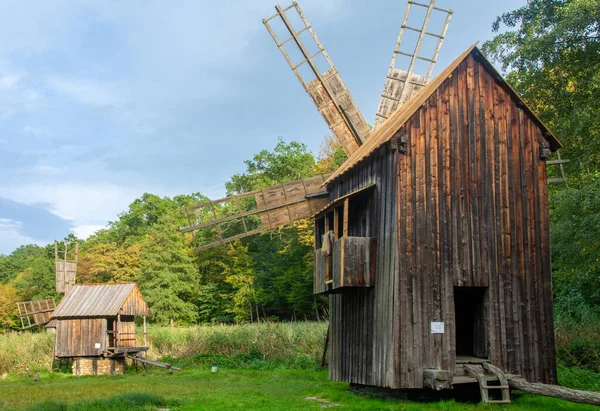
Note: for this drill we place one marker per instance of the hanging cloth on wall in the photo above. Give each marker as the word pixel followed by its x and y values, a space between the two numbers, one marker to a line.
pixel 327 243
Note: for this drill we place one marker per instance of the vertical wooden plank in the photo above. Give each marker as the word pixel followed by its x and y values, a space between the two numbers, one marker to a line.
pixel 525 154
pixel 435 271
pixel 511 270
pixel 455 176
pixel 502 219
pixel 533 155
pixel 474 174
pixel 489 216
pixel 463 169
pixel 446 231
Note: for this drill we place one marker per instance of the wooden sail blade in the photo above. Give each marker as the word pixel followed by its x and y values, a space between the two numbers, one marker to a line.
pixel 327 91
pixel 401 85
pixel 34 313
pixel 231 218
pixel 66 268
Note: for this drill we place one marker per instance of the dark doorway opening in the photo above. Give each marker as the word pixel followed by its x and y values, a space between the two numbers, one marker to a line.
pixel 470 321
pixel 110 330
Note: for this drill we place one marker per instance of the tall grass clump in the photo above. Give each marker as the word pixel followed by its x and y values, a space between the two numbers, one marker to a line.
pixel 288 344
pixel 577 325
pixel 25 352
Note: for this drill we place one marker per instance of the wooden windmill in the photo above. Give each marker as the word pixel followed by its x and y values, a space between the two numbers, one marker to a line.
pixel 231 218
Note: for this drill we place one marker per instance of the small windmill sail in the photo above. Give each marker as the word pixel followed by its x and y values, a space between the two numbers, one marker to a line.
pixel 328 91
pixel 34 313
pixel 66 269
pixel 401 85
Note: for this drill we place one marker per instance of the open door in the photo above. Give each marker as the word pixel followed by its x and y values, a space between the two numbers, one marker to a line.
pixel 471 321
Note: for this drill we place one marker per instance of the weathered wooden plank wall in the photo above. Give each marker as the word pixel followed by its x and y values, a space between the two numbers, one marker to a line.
pixel 78 337
pixel 135 304
pixel 362 349
pixel 472 209
pixel 467 206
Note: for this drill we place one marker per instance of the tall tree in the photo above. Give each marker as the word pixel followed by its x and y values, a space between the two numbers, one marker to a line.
pixel 287 162
pixel 551 50
pixel 169 278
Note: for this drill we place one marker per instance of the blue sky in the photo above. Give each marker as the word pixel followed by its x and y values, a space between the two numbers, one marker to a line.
pixel 103 101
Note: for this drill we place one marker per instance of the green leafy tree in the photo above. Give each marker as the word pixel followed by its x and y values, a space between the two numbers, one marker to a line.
pixel 551 50
pixel 168 277
pixel 287 162
pixel 282 258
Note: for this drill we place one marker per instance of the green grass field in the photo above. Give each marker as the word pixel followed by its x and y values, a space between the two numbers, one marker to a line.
pixel 267 366
pixel 228 389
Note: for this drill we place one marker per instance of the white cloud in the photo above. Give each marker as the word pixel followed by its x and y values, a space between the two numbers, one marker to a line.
pixel 84 231
pixel 80 203
pixel 84 91
pixel 11 238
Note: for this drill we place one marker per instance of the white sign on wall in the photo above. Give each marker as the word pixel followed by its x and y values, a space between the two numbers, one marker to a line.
pixel 437 327
pixel 97 345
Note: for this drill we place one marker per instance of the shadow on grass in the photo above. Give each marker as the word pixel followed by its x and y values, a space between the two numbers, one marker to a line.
pixel 127 401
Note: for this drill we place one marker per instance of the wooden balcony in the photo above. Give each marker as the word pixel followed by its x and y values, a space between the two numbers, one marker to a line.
pixel 351 264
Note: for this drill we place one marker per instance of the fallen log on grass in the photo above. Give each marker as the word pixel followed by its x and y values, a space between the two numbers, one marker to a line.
pixel 582 397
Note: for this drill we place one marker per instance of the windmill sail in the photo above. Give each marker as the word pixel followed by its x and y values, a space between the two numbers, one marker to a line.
pixel 34 313
pixel 238 216
pixel 327 91
pixel 401 85
pixel 66 269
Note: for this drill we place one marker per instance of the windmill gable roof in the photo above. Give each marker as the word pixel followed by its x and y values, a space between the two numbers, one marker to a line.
pixel 387 130
pixel 101 300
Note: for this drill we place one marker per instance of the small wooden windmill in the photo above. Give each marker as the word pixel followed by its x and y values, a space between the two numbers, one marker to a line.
pixel 231 218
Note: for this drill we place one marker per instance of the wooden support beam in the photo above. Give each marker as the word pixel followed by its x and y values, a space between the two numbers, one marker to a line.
pixel 346 211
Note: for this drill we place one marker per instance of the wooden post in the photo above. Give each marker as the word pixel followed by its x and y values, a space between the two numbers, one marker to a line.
pixel 325 347
pixel 328 258
pixel 336 224
pixel 145 343
pixel 346 211
pixel 118 330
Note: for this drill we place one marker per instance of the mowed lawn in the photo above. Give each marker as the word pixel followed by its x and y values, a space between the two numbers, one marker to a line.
pixel 225 390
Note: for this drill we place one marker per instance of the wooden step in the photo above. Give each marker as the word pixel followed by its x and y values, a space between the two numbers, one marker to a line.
pixel 479 372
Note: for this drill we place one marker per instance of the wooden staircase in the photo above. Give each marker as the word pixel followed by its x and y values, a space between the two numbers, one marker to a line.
pixel 482 373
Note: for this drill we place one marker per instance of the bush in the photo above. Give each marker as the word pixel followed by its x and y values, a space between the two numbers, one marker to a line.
pixel 577 331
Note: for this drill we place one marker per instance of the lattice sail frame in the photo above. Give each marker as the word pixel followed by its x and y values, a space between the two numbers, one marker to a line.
pixel 328 91
pixel 401 85
pixel 231 218
pixel 34 313
pixel 66 269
